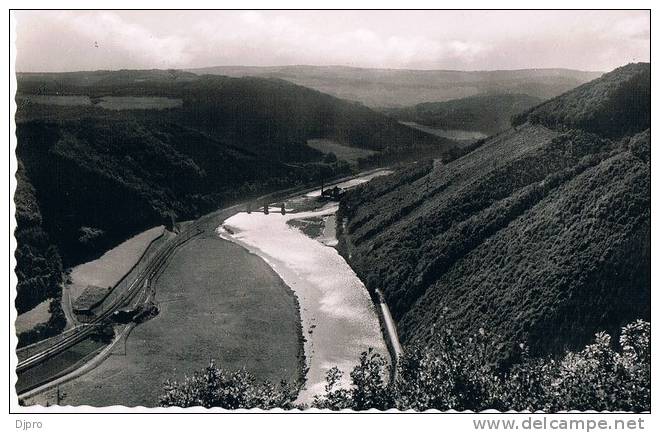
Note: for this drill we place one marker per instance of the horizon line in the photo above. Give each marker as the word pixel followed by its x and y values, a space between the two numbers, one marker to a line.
pixel 197 68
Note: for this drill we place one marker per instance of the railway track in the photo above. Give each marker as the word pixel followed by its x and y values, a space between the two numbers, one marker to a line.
pixel 141 284
pixel 142 281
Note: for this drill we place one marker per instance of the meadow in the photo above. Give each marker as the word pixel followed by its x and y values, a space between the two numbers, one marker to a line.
pixel 210 308
pixel 138 102
pixel 111 267
pixel 33 317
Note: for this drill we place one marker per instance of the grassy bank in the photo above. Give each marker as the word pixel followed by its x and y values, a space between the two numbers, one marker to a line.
pixel 110 268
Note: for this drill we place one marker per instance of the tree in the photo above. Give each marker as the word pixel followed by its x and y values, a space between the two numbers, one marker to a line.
pixel 458 375
pixel 369 389
pixel 455 375
pixel 215 387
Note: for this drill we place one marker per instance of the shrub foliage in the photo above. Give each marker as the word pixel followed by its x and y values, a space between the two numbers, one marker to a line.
pixel 455 374
pixel 215 387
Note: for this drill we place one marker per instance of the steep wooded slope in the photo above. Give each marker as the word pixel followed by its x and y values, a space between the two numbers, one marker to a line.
pixel 541 235
pixel 38 264
pixel 617 104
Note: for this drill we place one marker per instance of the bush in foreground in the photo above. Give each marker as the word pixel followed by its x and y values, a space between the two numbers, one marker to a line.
pixel 215 387
pixel 456 375
pixel 459 375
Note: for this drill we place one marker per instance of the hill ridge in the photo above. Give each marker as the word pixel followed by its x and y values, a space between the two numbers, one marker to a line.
pixel 541 235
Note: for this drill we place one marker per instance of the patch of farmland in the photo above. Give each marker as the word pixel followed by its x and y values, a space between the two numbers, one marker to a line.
pixel 61 100
pixel 138 103
pixel 108 269
pixel 91 297
pixel 34 317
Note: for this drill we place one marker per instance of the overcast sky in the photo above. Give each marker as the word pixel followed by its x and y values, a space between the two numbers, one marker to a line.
pixel 464 40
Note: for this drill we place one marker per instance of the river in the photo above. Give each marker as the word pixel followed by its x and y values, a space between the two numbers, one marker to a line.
pixel 339 319
pixel 461 136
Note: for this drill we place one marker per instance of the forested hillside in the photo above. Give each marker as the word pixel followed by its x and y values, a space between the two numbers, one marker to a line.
pixel 38 264
pixel 617 104
pixel 92 176
pixel 489 114
pixel 100 180
pixel 268 115
pixel 541 234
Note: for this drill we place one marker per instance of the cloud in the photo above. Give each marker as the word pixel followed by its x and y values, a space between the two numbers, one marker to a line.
pixel 633 28
pixel 596 40
pixel 108 28
pixel 100 40
pixel 282 40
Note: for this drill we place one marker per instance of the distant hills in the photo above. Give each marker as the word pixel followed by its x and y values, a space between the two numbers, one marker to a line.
pixel 540 235
pixel 386 88
pixel 488 114
pixel 52 82
pixel 250 111
pixel 91 177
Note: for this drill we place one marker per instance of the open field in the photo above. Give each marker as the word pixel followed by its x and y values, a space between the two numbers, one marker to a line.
pixel 34 317
pixel 108 269
pixel 60 100
pixel 77 355
pixel 250 319
pixel 349 154
pixel 138 103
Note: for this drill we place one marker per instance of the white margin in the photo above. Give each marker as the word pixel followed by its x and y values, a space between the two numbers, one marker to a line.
pixel 237 422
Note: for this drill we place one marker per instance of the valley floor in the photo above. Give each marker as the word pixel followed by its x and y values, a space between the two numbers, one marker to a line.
pixel 210 308
pixel 219 301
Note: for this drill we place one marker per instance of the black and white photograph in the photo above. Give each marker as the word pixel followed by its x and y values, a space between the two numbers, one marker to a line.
pixel 331 211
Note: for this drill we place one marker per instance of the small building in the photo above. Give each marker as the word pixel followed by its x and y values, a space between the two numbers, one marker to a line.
pixel 335 193
pixel 136 314
pixel 123 315
pixel 89 299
